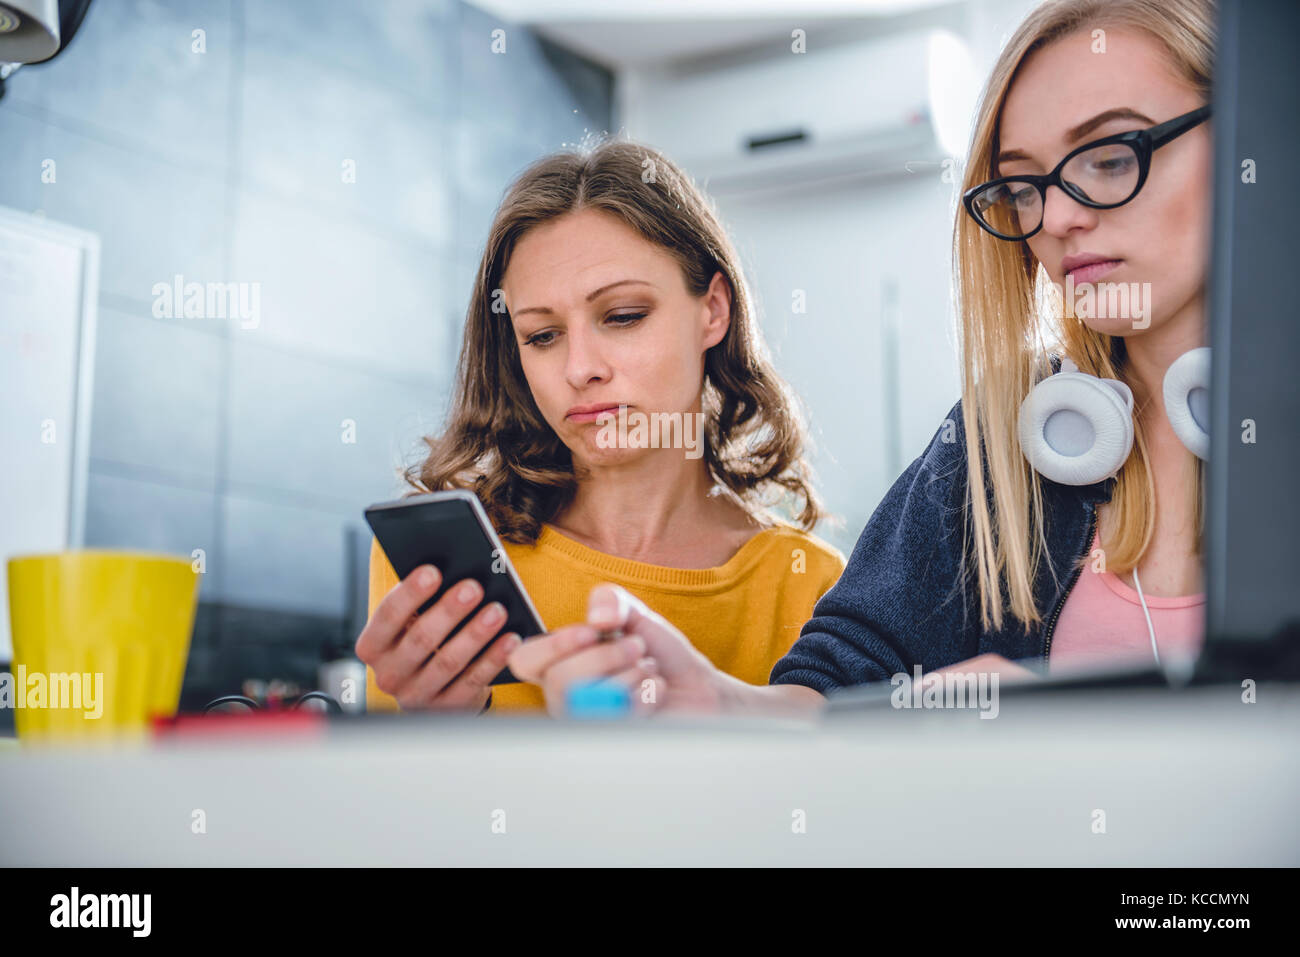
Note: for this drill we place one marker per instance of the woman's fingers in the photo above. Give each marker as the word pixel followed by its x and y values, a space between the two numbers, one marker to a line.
pixel 531 660
pixel 610 607
pixel 432 628
pixel 989 662
pixel 644 685
pixel 453 656
pixel 471 688
pixel 600 661
pixel 395 610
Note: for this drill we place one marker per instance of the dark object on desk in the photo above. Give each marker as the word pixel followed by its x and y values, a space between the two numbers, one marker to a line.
pixel 242 704
pixel 885 694
pixel 1253 513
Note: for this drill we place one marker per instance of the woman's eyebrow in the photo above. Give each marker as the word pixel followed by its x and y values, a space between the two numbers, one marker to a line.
pixel 546 310
pixel 1077 133
pixel 622 282
pixel 1087 126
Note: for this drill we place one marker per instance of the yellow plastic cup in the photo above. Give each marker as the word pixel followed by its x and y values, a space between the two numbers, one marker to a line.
pixel 100 641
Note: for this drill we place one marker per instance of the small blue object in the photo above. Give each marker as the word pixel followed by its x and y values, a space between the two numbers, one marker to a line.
pixel 598 699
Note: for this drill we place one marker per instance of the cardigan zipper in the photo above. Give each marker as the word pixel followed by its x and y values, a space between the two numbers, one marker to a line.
pixel 1056 612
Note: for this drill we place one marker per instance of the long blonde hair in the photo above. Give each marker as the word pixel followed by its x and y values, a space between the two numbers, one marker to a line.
pixel 999 286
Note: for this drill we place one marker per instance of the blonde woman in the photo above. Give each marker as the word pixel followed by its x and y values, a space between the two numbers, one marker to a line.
pixel 616 413
pixel 1090 165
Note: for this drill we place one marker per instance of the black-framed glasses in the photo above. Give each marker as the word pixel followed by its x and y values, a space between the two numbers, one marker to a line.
pixel 1102 174
pixel 242 704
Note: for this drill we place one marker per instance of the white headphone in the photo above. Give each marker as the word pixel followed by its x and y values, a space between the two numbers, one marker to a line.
pixel 1077 429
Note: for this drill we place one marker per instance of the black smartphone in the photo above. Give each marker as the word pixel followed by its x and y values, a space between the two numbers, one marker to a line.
pixel 450 531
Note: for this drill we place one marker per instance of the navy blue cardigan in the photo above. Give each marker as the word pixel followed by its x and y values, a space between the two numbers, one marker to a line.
pixel 901 600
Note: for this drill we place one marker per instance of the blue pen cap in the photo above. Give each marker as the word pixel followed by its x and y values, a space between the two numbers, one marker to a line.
pixel 597 699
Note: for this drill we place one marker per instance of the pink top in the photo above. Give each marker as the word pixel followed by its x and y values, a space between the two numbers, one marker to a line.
pixel 1102 624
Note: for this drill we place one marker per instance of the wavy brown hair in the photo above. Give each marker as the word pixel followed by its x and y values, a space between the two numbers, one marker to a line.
pixel 496 442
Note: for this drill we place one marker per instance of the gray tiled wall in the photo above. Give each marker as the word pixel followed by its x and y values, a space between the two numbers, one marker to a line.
pixel 225 166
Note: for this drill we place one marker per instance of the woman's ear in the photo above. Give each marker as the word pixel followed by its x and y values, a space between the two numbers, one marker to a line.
pixel 717 310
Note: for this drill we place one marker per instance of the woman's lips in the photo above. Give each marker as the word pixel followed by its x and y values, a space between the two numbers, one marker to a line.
pixel 1093 271
pixel 593 415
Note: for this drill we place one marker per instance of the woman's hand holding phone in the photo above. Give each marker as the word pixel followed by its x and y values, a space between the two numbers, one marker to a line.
pixel 411 657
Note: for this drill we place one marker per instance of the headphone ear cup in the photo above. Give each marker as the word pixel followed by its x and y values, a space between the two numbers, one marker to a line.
pixel 1187 400
pixel 1076 429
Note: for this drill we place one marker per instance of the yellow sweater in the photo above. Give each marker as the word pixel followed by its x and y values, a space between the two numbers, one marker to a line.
pixel 742 615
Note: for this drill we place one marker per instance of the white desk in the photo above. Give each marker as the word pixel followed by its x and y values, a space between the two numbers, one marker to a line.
pixel 1191 777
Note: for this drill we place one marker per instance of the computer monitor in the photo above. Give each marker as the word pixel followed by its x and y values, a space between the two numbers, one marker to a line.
pixel 1252 562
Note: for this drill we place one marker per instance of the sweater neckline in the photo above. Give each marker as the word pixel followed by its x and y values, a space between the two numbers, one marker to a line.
pixel 643 572
pixel 1122 589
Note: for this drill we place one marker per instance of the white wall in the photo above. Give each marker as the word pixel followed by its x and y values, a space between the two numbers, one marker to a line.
pixel 876 380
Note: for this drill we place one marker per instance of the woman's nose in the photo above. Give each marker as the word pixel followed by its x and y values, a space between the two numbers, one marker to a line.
pixel 585 362
pixel 1062 213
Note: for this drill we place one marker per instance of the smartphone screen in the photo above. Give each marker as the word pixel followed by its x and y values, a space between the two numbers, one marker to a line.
pixel 450 531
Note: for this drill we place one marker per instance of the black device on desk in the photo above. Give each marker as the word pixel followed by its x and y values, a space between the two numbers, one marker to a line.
pixel 1252 532
pixel 450 531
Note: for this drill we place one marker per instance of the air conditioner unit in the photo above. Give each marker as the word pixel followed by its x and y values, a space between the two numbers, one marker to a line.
pixel 891 106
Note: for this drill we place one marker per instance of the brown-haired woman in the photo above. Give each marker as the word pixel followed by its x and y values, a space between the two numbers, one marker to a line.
pixel 617 414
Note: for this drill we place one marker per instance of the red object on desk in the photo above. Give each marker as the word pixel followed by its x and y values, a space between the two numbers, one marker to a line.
pixel 255 724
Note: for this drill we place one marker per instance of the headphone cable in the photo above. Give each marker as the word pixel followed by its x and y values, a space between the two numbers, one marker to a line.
pixel 1151 629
